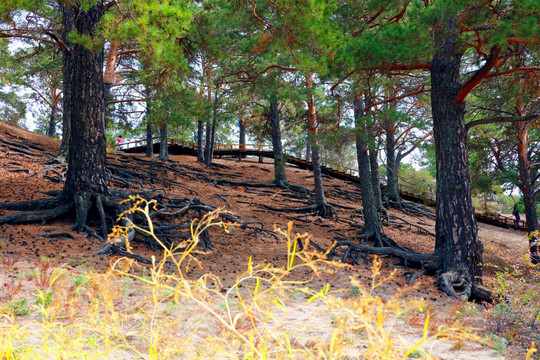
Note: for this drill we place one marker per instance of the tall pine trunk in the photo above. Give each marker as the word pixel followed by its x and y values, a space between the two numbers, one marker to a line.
pixel 526 186
pixel 163 145
pixel 84 111
pixel 371 216
pixel 149 138
pixel 280 177
pixel 308 148
pixel 373 164
pixel 241 138
pixel 375 181
pixel 313 126
pixel 211 129
pixel 52 120
pixel 456 230
pixel 213 133
pixel 200 137
pixel 392 166
pixel 208 144
pixel 149 132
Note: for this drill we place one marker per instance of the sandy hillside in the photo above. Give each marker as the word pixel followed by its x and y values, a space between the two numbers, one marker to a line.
pixel 25 175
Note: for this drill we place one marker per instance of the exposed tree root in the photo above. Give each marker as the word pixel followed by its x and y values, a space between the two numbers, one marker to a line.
pixel 62 234
pixel 420 228
pixel 379 239
pixel 324 210
pixel 411 276
pixel 455 285
pixel 36 216
pixel 111 250
pixel 397 204
pixel 481 293
pixel 293 188
pixel 29 205
pixel 23 148
pixel 458 285
pixel 237 183
pixel 349 250
pixel 411 208
pixel 172 218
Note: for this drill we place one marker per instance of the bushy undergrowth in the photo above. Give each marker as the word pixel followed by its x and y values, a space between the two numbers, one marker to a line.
pixel 516 317
pixel 159 313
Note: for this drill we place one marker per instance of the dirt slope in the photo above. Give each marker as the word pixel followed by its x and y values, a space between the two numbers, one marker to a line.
pixel 21 179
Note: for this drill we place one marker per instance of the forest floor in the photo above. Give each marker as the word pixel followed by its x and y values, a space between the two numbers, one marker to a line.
pixel 23 246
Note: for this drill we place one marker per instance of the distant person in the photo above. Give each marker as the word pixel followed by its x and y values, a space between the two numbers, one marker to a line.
pixel 515 212
pixel 119 141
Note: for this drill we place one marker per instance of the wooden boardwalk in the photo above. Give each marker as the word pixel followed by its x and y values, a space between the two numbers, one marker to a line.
pixel 182 147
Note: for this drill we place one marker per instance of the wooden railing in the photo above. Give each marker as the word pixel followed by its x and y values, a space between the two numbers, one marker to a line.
pixel 418 191
pixel 133 144
pixel 423 194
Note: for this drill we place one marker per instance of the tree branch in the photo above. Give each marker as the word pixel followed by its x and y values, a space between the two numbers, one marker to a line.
pixel 415 146
pixel 421 90
pixel 516 40
pixel 528 68
pixel 500 119
pixel 478 76
pixel 251 77
pixel 125 101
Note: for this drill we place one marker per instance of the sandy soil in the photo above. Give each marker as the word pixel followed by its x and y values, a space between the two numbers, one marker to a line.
pixel 21 179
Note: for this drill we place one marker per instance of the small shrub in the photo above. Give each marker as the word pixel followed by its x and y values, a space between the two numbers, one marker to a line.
pixel 416 354
pixel 496 342
pixel 355 291
pixel 19 308
pixel 517 315
pixel 44 299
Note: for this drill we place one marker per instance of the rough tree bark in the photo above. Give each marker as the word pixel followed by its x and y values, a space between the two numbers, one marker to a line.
pixel 52 120
pixel 526 187
pixel 66 118
pixel 525 176
pixel 208 144
pixel 214 127
pixel 374 166
pixel 320 205
pixel 211 129
pixel 149 136
pixel 84 111
pixel 371 217
pixel 200 137
pixel 163 145
pixel 375 181
pixel 280 177
pixel 456 230
pixel 392 166
pixel 149 132
pixel 210 139
pixel 242 137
